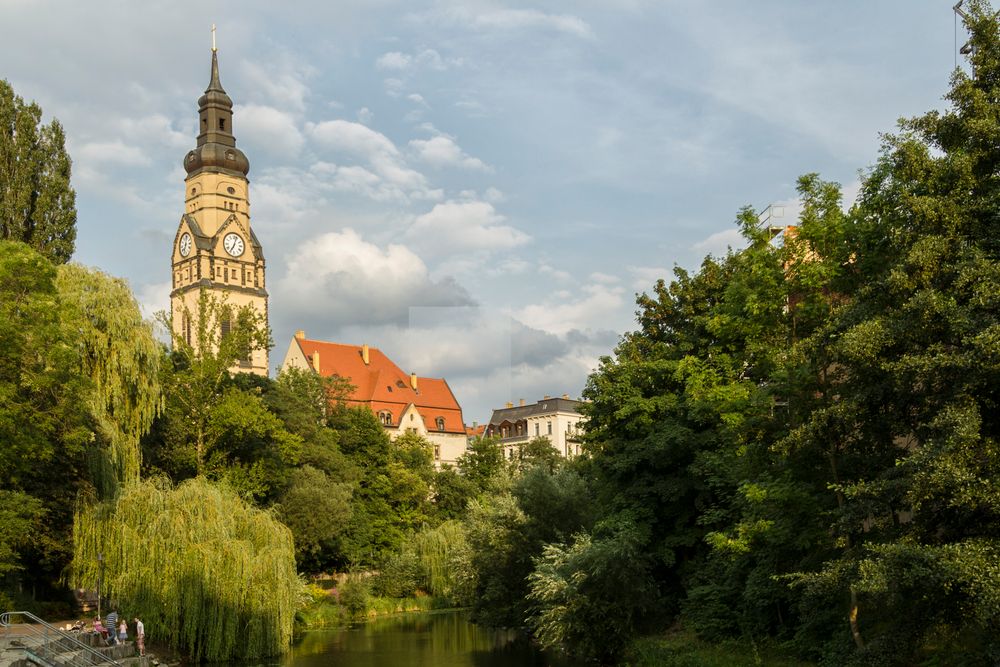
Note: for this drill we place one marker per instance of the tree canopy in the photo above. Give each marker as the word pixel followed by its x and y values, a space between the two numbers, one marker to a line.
pixel 37 203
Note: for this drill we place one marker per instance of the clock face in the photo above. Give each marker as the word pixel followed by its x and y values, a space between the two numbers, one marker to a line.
pixel 185 244
pixel 233 244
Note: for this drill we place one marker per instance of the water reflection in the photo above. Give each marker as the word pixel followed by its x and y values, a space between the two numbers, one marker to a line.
pixel 440 639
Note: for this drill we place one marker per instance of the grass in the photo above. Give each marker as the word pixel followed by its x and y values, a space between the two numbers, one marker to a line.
pixel 682 648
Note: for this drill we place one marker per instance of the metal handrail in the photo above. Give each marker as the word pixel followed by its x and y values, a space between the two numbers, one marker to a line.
pixel 5 622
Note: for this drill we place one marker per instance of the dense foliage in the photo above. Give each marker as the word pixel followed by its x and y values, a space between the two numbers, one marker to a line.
pixel 800 440
pixel 213 575
pixel 37 203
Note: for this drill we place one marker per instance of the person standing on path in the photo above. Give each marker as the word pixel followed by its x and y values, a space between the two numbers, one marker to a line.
pixel 123 632
pixel 111 623
pixel 140 636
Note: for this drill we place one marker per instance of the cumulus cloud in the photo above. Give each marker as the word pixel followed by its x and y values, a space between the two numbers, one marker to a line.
pixel 524 19
pixel 156 128
pixel 338 278
pixel 442 151
pixel 385 173
pixel 394 60
pixel 116 152
pixel 265 128
pixel 644 277
pixel 719 243
pixel 590 310
pixel 426 58
pixel 463 226
pixel 280 83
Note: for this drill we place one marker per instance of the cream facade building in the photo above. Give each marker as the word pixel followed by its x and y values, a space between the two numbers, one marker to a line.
pixel 558 419
pixel 215 249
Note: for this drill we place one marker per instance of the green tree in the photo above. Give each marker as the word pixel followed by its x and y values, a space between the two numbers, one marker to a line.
pixel 76 390
pixel 317 510
pixel 196 380
pixel 37 204
pixel 911 410
pixel 210 574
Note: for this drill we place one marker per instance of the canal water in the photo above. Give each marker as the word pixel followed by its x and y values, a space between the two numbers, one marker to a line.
pixel 435 639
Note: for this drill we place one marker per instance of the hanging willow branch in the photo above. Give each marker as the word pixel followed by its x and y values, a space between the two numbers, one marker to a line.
pixel 208 573
pixel 119 355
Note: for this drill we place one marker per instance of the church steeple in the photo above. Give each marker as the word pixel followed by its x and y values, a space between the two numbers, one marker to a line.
pixel 215 249
pixel 216 147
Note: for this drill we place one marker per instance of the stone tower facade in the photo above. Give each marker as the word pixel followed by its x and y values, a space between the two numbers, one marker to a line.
pixel 215 249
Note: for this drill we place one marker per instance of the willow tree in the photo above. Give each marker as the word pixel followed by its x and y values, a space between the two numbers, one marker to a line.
pixel 209 574
pixel 117 353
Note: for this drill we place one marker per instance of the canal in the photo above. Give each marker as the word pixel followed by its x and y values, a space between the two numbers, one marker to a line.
pixel 436 639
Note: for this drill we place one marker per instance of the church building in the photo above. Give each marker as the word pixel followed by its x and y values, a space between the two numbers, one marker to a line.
pixel 403 402
pixel 215 249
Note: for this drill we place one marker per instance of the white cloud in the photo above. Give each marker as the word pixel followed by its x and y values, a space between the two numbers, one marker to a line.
pixel 493 195
pixel 442 151
pixel 365 115
pixel 337 279
pixel 269 129
pixel 463 226
pixel 590 311
pixel 153 297
pixel 719 243
pixel 427 58
pixel 515 20
pixel 604 278
pixel 158 128
pixel 557 274
pixel 381 158
pixel 417 98
pixel 279 83
pixel 644 277
pixel 110 153
pixel 394 60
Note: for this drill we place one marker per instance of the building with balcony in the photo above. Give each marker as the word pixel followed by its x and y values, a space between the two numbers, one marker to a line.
pixel 557 419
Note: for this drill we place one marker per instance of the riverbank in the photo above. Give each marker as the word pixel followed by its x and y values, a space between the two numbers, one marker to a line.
pixel 329 612
pixel 682 648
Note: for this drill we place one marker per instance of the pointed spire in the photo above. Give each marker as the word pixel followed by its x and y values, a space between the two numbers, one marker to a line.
pixel 215 85
pixel 216 144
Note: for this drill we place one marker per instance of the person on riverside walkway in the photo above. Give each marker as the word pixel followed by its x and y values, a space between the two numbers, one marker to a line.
pixel 100 630
pixel 140 636
pixel 122 632
pixel 111 622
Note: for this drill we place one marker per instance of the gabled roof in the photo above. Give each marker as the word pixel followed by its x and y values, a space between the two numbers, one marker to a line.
pixel 383 385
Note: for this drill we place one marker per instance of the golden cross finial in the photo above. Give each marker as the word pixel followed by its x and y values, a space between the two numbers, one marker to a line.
pixel 213 39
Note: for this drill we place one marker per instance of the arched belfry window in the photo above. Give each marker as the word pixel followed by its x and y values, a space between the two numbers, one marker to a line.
pixel 440 423
pixel 385 417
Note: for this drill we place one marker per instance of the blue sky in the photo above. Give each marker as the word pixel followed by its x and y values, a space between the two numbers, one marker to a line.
pixel 477 188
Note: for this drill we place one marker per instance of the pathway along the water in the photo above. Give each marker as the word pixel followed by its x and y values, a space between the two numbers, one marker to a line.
pixel 437 639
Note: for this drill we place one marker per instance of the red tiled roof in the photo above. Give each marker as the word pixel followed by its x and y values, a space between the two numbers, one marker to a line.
pixel 476 432
pixel 382 385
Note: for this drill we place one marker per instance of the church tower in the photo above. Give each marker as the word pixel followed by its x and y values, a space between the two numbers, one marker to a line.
pixel 215 249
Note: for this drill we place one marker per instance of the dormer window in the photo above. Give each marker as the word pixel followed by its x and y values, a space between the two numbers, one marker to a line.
pixel 440 423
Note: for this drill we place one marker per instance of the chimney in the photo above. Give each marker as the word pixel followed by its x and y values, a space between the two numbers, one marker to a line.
pixel 413 381
pixel 300 334
pixel 315 360
pixel 546 397
pixel 520 402
pixel 475 425
pixel 364 354
pixel 566 396
pixel 509 404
